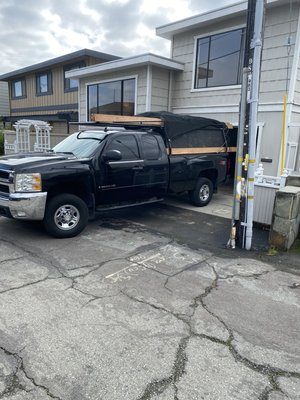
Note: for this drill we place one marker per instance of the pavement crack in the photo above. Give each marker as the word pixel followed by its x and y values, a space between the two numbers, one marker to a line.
pixel 28 284
pixel 158 387
pixel 273 387
pixel 178 370
pixel 45 259
pixel 237 275
pixel 272 372
pixel 11 259
pixel 14 383
pixel 187 268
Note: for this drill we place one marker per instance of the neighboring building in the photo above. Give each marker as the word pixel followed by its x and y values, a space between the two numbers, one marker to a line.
pixel 4 102
pixel 43 92
pixel 203 76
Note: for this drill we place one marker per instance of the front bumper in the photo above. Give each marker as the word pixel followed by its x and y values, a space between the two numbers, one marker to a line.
pixel 29 206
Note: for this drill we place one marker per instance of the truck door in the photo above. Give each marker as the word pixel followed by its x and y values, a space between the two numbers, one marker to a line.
pixel 156 165
pixel 123 179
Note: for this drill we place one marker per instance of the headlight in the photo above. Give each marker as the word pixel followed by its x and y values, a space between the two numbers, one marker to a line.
pixel 28 183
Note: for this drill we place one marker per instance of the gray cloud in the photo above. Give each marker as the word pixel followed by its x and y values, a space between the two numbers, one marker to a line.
pixel 33 31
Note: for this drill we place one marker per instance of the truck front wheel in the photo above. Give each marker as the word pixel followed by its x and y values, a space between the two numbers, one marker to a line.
pixel 66 216
pixel 202 193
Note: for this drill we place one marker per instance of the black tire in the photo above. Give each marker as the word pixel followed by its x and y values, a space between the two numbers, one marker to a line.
pixel 202 193
pixel 66 216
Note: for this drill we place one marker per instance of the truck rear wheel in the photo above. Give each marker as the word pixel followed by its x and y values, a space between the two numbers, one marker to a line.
pixel 202 193
pixel 66 216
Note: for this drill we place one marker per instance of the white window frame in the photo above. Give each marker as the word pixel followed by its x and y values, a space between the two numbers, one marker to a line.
pixel 208 34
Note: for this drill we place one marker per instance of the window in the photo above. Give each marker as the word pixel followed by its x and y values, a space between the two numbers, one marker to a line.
pixel 219 59
pixel 117 97
pixel 44 83
pixel 127 145
pixel 150 147
pixel 69 83
pixel 18 88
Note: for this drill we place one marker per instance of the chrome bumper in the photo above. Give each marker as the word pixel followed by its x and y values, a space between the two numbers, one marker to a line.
pixel 29 206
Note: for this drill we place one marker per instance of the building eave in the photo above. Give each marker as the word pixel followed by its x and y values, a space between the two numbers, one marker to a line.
pixel 125 63
pixel 58 60
pixel 208 18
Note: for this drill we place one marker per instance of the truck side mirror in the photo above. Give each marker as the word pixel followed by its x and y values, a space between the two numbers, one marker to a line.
pixel 112 155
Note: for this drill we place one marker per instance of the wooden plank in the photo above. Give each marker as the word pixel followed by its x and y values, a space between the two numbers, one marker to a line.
pixel 201 150
pixel 126 119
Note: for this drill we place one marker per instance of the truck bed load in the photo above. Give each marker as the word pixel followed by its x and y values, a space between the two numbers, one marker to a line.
pixel 183 134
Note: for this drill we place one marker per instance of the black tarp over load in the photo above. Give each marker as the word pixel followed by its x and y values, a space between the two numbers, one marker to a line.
pixel 185 131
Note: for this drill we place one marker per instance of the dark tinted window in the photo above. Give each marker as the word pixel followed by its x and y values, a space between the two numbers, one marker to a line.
pixel 150 147
pixel 219 59
pixel 117 97
pixel 127 145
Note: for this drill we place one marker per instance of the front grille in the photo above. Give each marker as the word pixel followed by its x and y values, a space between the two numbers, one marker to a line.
pixel 4 174
pixel 4 188
pixel 4 181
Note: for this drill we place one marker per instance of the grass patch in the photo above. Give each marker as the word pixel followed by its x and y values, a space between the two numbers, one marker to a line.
pixel 272 251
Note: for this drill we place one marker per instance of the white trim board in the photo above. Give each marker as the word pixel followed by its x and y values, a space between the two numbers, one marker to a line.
pixel 226 108
pixel 125 63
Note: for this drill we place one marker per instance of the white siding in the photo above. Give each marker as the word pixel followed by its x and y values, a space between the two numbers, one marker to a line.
pixel 277 56
pixel 273 69
pixel 4 99
pixel 141 83
pixel 160 89
pixel 223 103
pixel 183 50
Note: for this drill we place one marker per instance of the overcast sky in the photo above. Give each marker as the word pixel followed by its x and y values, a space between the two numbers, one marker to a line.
pixel 37 30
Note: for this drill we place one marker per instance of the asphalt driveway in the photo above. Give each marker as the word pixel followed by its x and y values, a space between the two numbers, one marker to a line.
pixel 135 309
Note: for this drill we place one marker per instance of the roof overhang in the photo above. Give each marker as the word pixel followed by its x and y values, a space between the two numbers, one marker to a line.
pixel 58 60
pixel 126 63
pixel 209 18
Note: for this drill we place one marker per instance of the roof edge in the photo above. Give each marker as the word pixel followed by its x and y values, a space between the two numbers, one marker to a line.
pixel 123 63
pixel 239 8
pixel 58 60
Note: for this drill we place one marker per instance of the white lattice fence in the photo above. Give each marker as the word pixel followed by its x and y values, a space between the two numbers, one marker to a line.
pixel 22 142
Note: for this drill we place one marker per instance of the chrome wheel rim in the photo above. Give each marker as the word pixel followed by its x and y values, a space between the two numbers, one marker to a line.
pixel 204 193
pixel 66 217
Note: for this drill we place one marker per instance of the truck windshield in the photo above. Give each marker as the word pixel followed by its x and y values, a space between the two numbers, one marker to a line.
pixel 82 144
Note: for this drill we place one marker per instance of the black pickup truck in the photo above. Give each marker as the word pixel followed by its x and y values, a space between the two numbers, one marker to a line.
pixel 99 169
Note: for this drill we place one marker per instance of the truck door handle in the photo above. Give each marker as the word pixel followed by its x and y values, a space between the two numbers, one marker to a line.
pixel 138 168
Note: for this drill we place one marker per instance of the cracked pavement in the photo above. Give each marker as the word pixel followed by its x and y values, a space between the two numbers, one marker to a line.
pixel 125 312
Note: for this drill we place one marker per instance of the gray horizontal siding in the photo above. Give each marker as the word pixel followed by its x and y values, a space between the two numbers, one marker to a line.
pixel 160 89
pixel 140 73
pixel 273 69
pixel 4 102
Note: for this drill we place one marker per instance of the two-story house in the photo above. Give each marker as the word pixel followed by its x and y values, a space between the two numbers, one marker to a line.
pixel 42 91
pixel 203 76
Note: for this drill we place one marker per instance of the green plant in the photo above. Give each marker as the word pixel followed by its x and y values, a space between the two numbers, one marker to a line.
pixel 1 143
